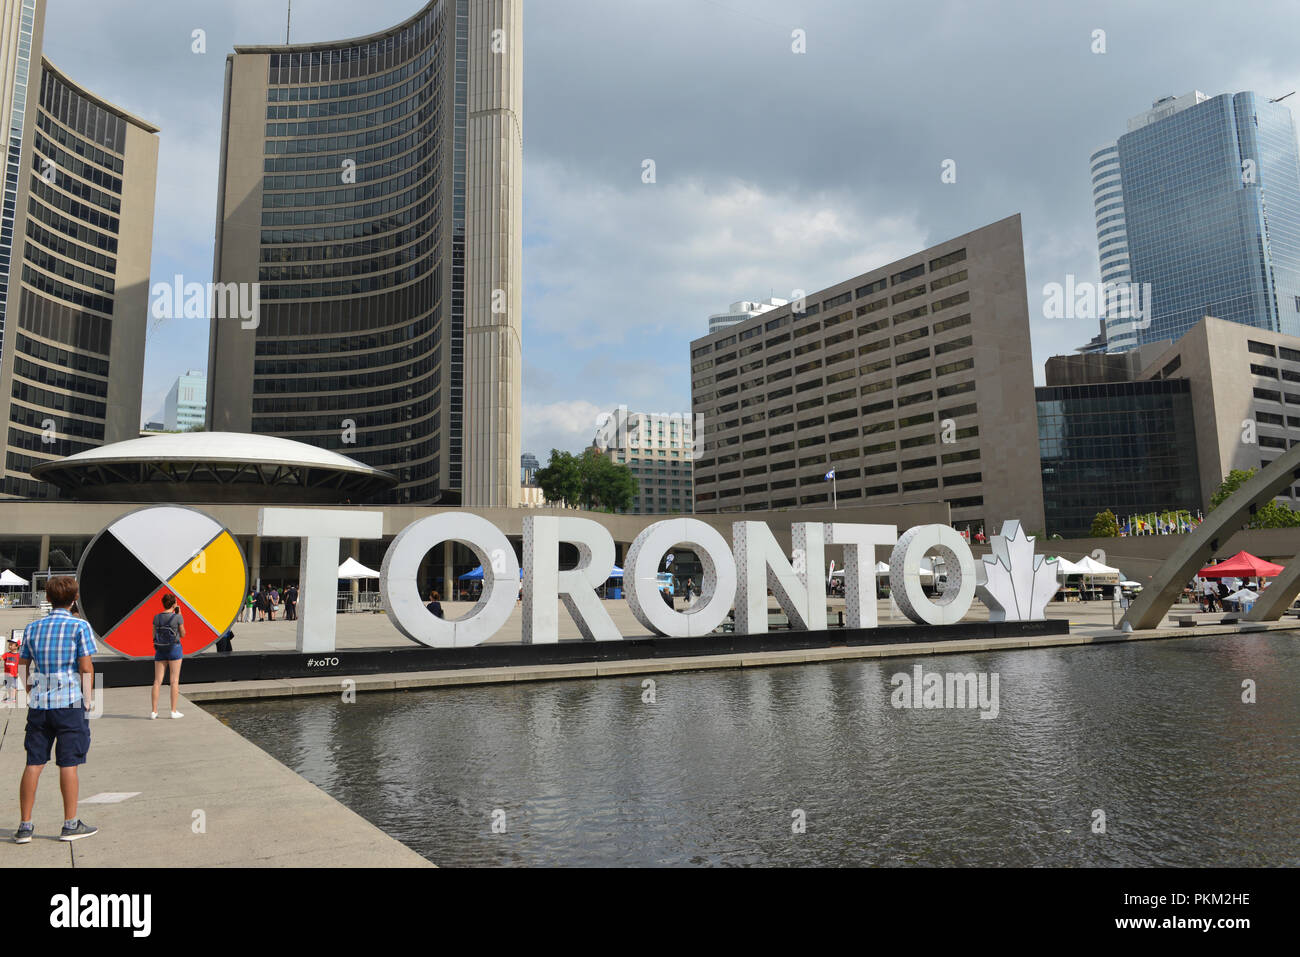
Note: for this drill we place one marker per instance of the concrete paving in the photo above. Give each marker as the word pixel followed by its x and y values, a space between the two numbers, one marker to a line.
pixel 253 811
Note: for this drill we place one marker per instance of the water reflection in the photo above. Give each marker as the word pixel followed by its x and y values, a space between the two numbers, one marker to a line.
pixel 1152 733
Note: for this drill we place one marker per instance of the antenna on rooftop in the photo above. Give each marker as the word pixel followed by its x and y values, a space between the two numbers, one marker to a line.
pixel 288 17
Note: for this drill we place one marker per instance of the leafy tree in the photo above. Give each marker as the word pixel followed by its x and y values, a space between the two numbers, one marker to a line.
pixel 1235 480
pixel 590 480
pixel 1272 514
pixel 606 485
pixel 1104 525
pixel 560 480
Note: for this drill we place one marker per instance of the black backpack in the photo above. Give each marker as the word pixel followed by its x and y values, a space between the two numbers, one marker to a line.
pixel 165 633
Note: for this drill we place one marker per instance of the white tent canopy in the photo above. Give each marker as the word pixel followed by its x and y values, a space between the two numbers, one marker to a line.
pixel 1090 566
pixel 353 569
pixel 7 577
pixel 1244 594
pixel 1066 567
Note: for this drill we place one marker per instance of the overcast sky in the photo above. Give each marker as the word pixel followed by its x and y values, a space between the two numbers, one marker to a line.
pixel 774 170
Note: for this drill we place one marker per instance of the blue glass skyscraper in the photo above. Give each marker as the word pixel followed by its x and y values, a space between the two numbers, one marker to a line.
pixel 1210 204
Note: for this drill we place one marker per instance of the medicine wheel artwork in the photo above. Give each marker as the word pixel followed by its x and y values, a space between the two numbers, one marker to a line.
pixel 142 556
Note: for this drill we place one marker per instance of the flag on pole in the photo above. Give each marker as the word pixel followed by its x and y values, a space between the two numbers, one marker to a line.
pixel 829 475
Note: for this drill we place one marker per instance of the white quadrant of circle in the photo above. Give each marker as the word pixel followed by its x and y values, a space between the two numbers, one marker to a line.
pixel 166 537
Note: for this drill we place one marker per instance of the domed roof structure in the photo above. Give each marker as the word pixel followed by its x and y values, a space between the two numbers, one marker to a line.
pixel 229 467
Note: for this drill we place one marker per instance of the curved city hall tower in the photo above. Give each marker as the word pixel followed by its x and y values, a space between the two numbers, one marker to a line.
pixel 371 188
pixel 76 238
pixel 493 269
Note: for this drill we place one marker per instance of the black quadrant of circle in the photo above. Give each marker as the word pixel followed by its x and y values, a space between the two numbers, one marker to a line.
pixel 113 584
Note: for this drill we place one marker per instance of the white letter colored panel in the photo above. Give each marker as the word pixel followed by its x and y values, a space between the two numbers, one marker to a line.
pixel 798 585
pixel 320 529
pixel 401 591
pixel 905 575
pixel 860 543
pixel 717 587
pixel 545 584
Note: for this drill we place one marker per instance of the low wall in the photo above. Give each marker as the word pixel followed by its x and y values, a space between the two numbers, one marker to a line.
pixel 275 665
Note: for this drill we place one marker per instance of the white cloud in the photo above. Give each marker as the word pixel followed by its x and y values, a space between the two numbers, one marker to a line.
pixel 604 265
pixel 568 426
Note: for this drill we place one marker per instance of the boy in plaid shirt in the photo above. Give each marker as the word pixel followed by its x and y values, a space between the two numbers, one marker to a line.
pixel 60 646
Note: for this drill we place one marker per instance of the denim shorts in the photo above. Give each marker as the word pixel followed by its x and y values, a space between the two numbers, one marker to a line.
pixel 171 652
pixel 66 730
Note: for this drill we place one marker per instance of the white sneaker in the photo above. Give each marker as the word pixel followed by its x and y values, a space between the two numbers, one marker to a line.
pixel 177 714
pixel 152 715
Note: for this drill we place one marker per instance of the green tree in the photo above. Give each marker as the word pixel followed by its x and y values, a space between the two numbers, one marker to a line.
pixel 1104 525
pixel 590 480
pixel 560 480
pixel 1235 480
pixel 605 484
pixel 1272 514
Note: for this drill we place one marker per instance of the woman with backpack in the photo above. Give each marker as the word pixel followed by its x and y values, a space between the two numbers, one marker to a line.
pixel 168 630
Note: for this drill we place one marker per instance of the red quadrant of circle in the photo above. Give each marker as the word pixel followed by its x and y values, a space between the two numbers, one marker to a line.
pixel 134 636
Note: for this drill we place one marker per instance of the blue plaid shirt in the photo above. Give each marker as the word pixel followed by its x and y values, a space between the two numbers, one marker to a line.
pixel 53 644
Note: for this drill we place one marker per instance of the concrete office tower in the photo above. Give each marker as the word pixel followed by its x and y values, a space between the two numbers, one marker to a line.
pixel 740 311
pixel 658 449
pixel 371 186
pixel 186 402
pixel 78 295
pixel 494 254
pixel 1098 418
pixel 1207 192
pixel 913 382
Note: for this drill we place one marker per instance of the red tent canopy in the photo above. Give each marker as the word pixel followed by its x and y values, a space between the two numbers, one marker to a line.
pixel 1241 565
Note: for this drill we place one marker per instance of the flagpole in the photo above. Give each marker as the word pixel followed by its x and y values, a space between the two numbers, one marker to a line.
pixel 835 503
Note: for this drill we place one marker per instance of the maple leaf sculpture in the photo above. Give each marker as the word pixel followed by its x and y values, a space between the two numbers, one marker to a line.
pixel 1014 583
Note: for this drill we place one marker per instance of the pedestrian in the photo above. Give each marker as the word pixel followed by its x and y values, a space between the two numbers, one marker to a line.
pixel 247 611
pixel 60 647
pixel 223 643
pixel 668 598
pixel 274 602
pixel 291 603
pixel 263 603
pixel 168 632
pixel 11 669
pixel 435 606
pixel 1210 594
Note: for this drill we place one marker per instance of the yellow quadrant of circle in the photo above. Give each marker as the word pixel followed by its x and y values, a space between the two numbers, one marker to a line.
pixel 213 582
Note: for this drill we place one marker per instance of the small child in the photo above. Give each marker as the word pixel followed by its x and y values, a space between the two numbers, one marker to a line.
pixel 11 671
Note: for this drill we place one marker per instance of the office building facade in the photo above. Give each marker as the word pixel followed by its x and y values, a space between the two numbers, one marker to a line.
pixel 914 382
pixel 79 245
pixel 186 403
pixel 658 449
pixel 1245 389
pixel 372 187
pixel 1161 426
pixel 1201 200
pixel 1123 446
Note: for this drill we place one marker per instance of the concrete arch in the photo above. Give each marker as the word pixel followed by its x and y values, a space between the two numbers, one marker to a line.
pixel 1150 608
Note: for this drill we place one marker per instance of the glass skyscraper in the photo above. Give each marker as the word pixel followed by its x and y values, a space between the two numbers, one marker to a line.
pixel 1201 199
